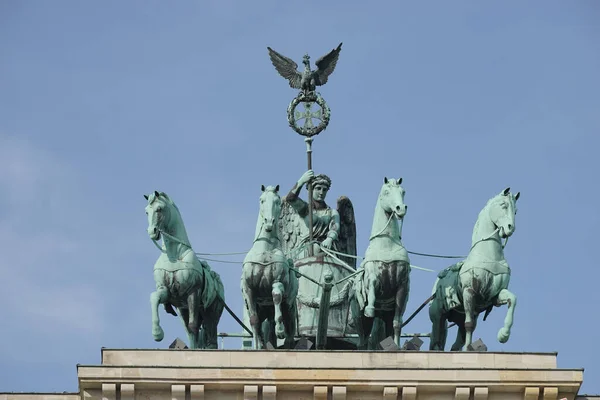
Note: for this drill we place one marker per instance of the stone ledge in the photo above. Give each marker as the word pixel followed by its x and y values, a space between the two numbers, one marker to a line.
pixel 326 359
pixel 234 378
pixel 39 396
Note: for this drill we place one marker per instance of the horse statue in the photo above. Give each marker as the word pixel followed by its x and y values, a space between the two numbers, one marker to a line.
pixel 381 291
pixel 182 280
pixel 464 290
pixel 269 286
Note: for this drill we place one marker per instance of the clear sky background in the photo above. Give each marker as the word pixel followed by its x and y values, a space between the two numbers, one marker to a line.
pixel 102 102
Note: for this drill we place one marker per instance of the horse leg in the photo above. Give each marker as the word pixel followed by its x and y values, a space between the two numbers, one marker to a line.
pixel 382 328
pixel 250 301
pixel 200 333
pixel 289 324
pixel 461 333
pixel 192 302
pixel 357 319
pixel 386 323
pixel 366 326
pixel 291 327
pixel 184 317
pixel 157 297
pixel 400 307
pixel 439 327
pixel 506 297
pixel 277 294
pixel 371 297
pixel 469 306
pixel 268 331
pixel 208 335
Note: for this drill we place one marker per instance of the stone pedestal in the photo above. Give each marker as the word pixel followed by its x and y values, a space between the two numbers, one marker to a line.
pixel 327 375
pixel 221 374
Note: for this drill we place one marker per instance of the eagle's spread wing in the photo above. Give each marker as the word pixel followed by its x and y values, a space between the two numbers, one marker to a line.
pixel 286 68
pixel 347 237
pixel 326 65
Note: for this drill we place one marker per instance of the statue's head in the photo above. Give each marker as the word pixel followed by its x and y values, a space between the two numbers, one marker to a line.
pixel 391 197
pixel 306 60
pixel 503 210
pixel 270 206
pixel 157 211
pixel 320 186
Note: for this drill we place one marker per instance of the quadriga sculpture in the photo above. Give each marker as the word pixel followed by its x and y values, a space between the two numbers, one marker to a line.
pixel 182 280
pixel 464 290
pixel 382 290
pixel 269 286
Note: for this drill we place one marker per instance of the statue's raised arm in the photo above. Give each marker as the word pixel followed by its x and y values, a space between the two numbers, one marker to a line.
pixel 332 229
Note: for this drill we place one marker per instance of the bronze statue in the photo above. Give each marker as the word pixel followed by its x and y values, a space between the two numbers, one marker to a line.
pixel 309 79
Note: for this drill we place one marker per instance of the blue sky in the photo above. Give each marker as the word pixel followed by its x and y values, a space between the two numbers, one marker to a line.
pixel 102 102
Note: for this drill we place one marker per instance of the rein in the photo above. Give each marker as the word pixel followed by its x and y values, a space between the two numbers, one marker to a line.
pixel 265 239
pixel 171 237
pixel 488 238
pixel 384 228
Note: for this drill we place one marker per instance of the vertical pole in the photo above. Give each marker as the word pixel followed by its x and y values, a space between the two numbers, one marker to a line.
pixel 308 141
pixel 324 311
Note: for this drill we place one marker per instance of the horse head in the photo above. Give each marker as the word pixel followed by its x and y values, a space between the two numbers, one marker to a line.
pixel 502 212
pixel 391 197
pixel 158 212
pixel 270 207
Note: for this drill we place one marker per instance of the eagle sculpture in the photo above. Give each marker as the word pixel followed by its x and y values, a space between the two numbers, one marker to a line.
pixel 308 80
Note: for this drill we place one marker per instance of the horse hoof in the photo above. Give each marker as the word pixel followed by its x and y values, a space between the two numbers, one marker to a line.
pixel 280 331
pixel 503 335
pixel 158 334
pixel 369 311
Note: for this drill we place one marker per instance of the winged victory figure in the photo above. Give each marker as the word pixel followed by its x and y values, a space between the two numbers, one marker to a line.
pixel 308 80
pixel 336 225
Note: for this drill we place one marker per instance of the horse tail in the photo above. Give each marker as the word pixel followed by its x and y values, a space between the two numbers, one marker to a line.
pixel 218 283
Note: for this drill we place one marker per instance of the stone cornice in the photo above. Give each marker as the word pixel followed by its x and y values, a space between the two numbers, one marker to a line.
pixel 344 371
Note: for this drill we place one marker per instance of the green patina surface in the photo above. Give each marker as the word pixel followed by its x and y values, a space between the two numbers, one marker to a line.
pixel 182 280
pixel 300 277
pixel 480 282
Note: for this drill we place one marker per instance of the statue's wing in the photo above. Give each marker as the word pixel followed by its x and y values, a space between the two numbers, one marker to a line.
pixel 347 237
pixel 286 68
pixel 290 229
pixel 326 65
